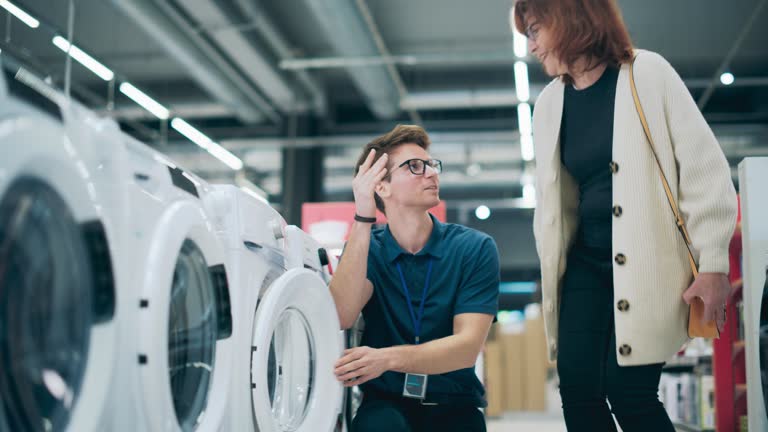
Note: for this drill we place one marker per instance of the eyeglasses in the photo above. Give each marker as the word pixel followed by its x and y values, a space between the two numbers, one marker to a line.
pixel 419 166
pixel 532 32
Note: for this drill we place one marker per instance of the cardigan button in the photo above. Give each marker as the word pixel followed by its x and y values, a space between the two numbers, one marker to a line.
pixel 620 259
pixel 625 350
pixel 614 167
pixel 617 211
pixel 623 305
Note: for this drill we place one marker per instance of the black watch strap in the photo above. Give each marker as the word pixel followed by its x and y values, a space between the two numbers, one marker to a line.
pixel 365 219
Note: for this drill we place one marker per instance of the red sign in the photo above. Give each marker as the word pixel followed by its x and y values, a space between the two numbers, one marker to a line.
pixel 330 222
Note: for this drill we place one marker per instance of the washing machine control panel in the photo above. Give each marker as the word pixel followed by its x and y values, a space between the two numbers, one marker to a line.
pixel 303 251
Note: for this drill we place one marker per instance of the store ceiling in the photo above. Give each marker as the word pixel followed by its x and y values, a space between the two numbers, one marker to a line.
pixel 242 70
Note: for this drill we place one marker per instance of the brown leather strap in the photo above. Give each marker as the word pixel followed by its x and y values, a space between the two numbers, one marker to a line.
pixel 672 204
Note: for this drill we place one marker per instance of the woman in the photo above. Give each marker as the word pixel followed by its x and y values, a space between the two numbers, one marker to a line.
pixel 615 276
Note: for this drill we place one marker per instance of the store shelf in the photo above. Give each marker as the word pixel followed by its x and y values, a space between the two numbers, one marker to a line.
pixel 690 428
pixel 685 363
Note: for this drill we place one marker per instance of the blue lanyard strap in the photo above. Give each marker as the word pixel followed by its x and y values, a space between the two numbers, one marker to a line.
pixel 416 320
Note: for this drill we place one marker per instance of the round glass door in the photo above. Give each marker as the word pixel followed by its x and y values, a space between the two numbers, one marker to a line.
pixel 46 288
pixel 296 340
pixel 192 335
pixel 290 367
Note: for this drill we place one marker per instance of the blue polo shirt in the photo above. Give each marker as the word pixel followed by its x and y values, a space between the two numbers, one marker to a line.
pixel 464 279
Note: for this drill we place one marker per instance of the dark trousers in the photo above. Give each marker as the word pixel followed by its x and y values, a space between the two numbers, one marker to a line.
pixel 393 415
pixel 590 377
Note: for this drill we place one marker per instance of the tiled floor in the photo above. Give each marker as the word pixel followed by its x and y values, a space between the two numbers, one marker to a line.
pixel 527 422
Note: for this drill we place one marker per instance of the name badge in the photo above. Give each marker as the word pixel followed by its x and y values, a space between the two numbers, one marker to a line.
pixel 415 386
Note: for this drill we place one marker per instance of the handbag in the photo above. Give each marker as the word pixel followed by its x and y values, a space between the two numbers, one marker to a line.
pixel 696 309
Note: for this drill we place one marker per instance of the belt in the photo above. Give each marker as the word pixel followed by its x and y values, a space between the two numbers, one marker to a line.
pixel 373 394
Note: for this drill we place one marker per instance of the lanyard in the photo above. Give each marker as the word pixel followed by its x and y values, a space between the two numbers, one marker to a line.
pixel 416 319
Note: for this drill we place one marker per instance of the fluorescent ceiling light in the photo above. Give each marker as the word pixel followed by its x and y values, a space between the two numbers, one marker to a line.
pixel 526 147
pixel 522 87
pixel 520 41
pixel 727 78
pixel 84 59
pixel 483 212
pixel 20 14
pixel 145 101
pixel 529 192
pixel 225 156
pixel 206 143
pixel 254 194
pixel 520 44
pixel 524 119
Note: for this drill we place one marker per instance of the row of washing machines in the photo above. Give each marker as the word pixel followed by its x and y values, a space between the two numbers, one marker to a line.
pixel 134 296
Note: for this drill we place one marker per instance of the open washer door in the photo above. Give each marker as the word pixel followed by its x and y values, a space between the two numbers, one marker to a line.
pixel 296 341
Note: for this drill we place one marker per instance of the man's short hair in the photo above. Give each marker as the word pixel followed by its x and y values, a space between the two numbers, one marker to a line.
pixel 387 143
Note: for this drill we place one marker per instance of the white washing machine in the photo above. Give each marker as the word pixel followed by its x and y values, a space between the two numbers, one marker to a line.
pixel 252 232
pixel 753 178
pixel 286 328
pixel 180 348
pixel 58 332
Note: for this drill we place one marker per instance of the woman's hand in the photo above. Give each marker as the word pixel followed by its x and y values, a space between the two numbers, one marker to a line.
pixel 714 289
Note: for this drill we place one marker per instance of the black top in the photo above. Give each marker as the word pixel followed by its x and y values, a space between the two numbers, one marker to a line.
pixel 586 140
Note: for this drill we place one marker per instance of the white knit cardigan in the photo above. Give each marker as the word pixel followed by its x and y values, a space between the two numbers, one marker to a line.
pixel 656 272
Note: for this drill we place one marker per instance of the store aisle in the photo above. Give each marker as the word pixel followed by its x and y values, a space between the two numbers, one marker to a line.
pixel 524 422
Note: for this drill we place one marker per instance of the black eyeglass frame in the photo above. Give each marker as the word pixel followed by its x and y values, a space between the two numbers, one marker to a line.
pixel 435 164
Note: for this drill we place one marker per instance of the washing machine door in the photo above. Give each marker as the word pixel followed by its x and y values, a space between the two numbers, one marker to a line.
pixel 56 288
pixel 296 341
pixel 185 323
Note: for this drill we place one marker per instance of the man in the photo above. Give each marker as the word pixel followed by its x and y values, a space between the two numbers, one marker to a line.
pixel 428 292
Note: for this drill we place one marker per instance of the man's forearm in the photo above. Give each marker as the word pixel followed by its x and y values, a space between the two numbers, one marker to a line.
pixel 350 276
pixel 435 357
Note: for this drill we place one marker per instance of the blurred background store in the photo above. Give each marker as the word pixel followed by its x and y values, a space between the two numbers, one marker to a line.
pixel 293 89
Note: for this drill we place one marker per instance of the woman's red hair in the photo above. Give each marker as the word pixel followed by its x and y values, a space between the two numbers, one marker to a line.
pixel 589 29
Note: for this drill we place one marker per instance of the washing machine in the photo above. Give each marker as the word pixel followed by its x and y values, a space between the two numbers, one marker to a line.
pixel 179 349
pixel 252 234
pixel 58 331
pixel 286 329
pixel 753 177
pixel 295 342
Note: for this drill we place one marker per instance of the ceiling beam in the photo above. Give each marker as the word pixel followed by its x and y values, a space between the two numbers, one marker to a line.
pixel 204 64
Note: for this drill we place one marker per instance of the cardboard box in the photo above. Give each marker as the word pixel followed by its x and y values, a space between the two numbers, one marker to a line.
pixel 494 379
pixel 536 364
pixel 513 355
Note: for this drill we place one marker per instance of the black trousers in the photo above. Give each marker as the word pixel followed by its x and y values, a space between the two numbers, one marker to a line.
pixel 590 377
pixel 401 415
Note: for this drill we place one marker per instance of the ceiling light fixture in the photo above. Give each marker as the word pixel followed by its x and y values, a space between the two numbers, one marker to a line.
pixel 522 87
pixel 145 101
pixel 206 143
pixel 20 14
pixel 84 59
pixel 483 212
